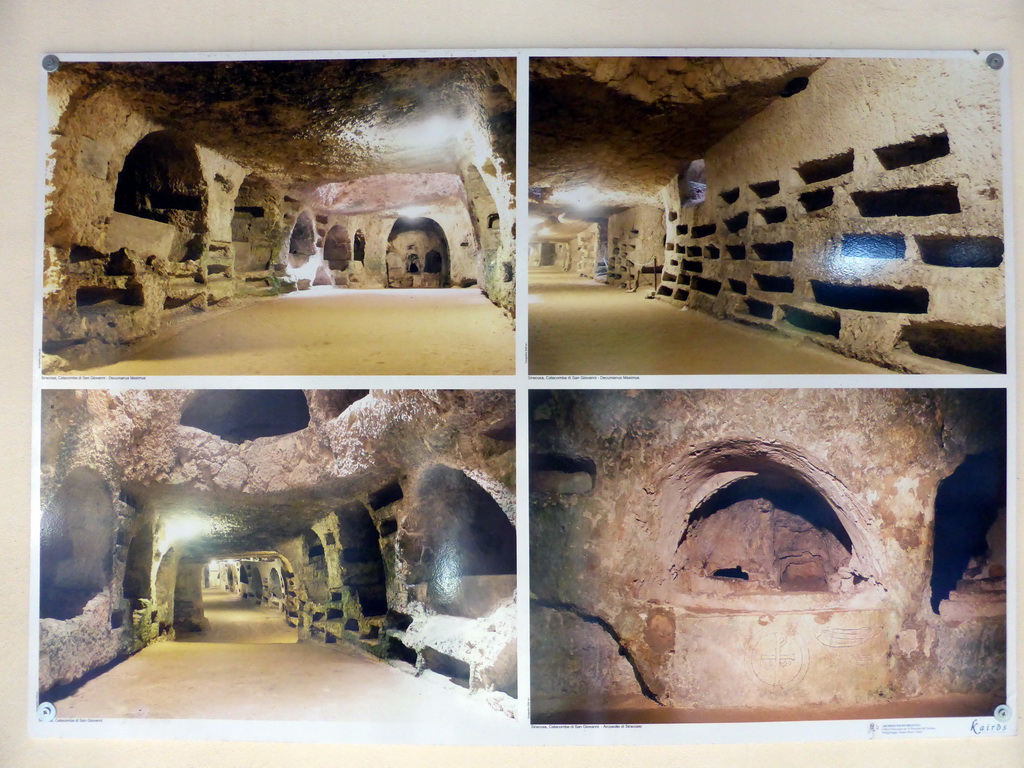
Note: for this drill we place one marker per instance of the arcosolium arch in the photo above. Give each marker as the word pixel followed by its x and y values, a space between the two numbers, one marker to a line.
pixel 76 544
pixel 255 224
pixel 276 588
pixel 418 254
pixel 162 179
pixel 458 532
pixel 302 243
pixel 315 573
pixel 337 249
pixel 756 516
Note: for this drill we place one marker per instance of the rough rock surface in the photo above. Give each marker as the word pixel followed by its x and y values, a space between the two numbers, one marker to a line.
pixel 862 212
pixel 763 548
pixel 318 521
pixel 176 187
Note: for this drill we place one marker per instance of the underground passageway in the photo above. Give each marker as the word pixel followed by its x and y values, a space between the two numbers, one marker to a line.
pixel 247 665
pixel 335 554
pixel 853 204
pixel 400 332
pixel 177 191
pixel 578 326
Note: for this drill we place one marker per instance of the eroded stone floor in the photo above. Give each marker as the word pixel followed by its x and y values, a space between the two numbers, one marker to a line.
pixel 578 326
pixel 249 667
pixel 325 332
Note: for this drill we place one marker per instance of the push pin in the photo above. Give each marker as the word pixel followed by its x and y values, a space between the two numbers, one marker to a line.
pixel 994 60
pixel 51 63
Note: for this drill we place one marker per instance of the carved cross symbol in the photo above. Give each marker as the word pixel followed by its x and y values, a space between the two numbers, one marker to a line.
pixel 777 656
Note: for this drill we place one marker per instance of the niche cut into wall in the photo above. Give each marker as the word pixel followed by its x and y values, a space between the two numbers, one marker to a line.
pixel 418 255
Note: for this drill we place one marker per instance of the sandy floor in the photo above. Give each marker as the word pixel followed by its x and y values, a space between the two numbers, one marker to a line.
pixel 335 332
pixel 234 620
pixel 249 667
pixel 581 327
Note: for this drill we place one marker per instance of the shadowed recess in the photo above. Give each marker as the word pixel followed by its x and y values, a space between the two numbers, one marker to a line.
pixel 241 415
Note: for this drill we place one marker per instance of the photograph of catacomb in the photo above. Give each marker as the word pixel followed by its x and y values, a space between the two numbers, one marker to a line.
pixel 707 556
pixel 280 217
pixel 782 215
pixel 341 556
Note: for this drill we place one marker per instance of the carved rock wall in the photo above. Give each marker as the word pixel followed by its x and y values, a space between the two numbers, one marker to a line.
pixel 858 473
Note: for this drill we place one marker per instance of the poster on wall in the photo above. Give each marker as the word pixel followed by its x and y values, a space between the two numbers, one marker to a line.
pixel 719 445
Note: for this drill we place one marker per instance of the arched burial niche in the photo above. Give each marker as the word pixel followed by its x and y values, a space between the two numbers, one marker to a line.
pixel 359 247
pixel 76 545
pixel 337 251
pixel 362 564
pixel 418 255
pixel 162 180
pixel 314 575
pixel 487 225
pixel 302 243
pixel 969 556
pixel 241 415
pixel 255 224
pixel 459 544
pixel 138 568
pixel 752 516
pixel 255 582
pixel 166 581
pixel 692 184
pixel 770 531
pixel 276 586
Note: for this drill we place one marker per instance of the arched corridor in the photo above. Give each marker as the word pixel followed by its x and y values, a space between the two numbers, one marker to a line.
pixel 248 666
pixel 307 548
pixel 173 200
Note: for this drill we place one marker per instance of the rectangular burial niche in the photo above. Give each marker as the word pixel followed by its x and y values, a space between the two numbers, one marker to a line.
pixel 809 321
pixel 917 201
pixel 782 251
pixel 827 168
pixel 956 251
pixel 817 199
pixel 317 559
pixel 774 283
pixel 919 149
pixel 773 215
pixel 736 223
pixel 763 581
pixel 864 246
pixel 765 189
pixel 871 298
pixel 982 347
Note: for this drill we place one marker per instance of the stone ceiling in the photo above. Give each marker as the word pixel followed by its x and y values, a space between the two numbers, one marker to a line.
pixel 305 123
pixel 229 498
pixel 609 133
